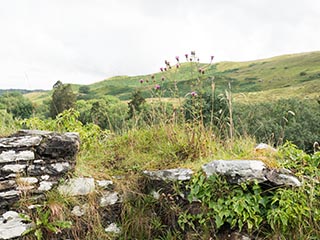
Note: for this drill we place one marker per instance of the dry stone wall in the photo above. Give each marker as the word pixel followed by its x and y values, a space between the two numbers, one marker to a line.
pixel 33 162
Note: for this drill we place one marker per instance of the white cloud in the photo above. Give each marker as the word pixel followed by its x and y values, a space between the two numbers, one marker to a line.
pixel 84 41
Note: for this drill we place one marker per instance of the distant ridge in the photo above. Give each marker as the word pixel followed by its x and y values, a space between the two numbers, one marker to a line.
pixel 285 76
pixel 22 91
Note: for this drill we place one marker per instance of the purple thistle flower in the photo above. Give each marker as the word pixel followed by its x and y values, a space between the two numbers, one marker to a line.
pixel 141 81
pixel 186 55
pixel 177 58
pixel 165 69
pixel 212 58
pixel 194 94
pixel 157 87
pixel 161 69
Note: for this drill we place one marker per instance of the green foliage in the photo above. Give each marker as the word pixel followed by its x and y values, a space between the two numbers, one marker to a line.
pixel 239 206
pixel 139 220
pixel 63 98
pixel 290 213
pixel 281 121
pixel 209 108
pixel 108 113
pixel 16 104
pixel 84 89
pixel 135 104
pixel 7 123
pixel 42 224
pixel 67 121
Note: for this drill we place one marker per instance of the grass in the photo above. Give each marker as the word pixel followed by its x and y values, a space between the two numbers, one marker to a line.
pixel 277 76
pixel 122 157
pixel 170 144
pixel 162 147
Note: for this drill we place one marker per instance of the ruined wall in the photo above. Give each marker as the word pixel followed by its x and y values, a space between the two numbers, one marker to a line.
pixel 33 162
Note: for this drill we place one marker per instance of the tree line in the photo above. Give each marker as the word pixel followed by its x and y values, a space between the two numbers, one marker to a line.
pixel 275 122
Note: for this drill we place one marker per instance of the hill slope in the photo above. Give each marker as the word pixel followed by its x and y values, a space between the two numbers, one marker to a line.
pixel 284 76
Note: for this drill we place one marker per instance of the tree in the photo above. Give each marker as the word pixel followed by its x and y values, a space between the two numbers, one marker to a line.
pixel 63 98
pixel 84 89
pixel 16 104
pixel 137 100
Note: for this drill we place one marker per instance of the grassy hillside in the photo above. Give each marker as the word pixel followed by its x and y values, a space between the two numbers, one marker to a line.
pixel 284 76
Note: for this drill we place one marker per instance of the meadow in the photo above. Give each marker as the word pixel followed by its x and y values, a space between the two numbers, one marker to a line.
pixel 186 115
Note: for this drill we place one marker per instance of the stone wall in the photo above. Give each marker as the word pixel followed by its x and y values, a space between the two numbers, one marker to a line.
pixel 33 162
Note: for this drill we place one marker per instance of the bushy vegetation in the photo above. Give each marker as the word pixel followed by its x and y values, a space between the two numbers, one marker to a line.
pixel 291 213
pixel 201 122
pixel 277 122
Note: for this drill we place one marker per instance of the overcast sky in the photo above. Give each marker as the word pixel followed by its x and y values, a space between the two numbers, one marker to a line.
pixel 86 41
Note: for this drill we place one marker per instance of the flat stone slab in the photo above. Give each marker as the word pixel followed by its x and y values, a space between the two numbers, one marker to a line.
pixel 13 156
pixel 238 171
pixel 177 174
pixel 11 225
pixel 77 186
pixel 109 198
pixel 24 141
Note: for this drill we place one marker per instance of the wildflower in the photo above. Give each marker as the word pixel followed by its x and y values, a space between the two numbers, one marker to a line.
pixel 177 58
pixel 157 87
pixel 212 58
pixel 186 55
pixel 200 70
pixel 152 76
pixel 162 78
pixel 190 59
pixel 194 94
pixel 147 80
pixel 141 81
pixel 161 69
pixel 165 69
pixel 178 65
